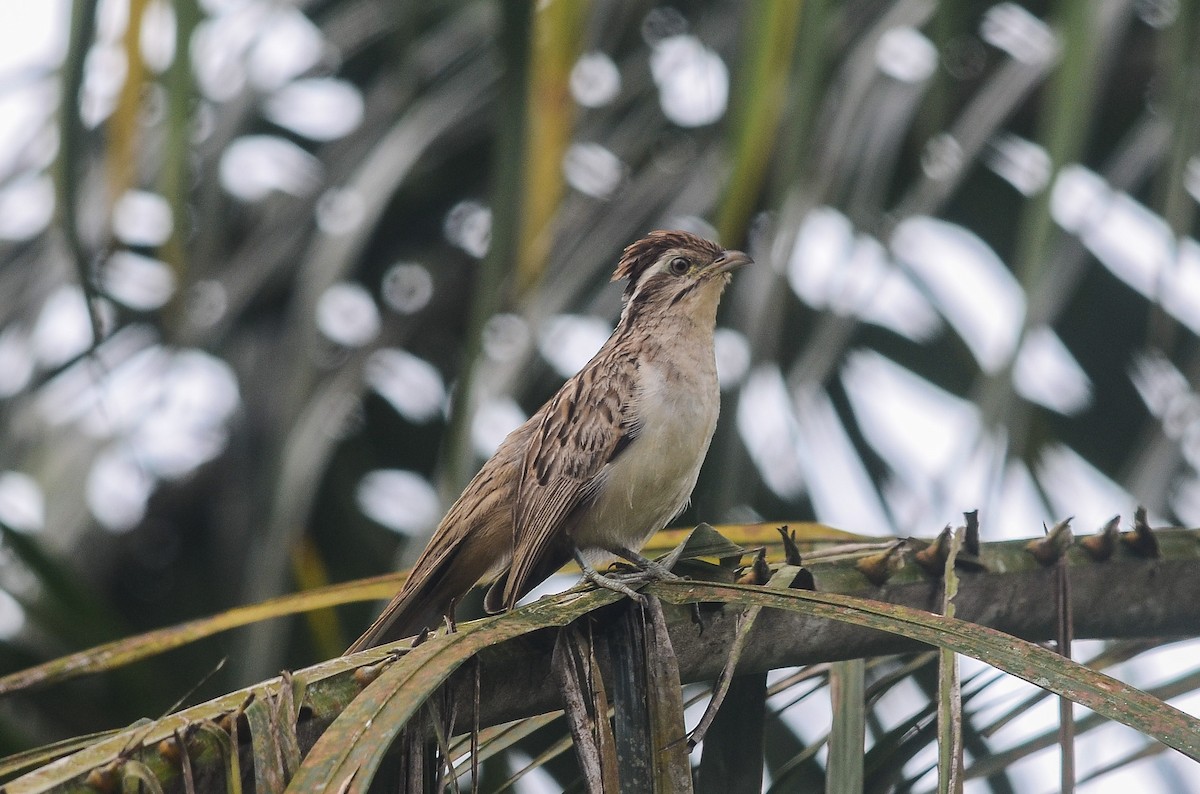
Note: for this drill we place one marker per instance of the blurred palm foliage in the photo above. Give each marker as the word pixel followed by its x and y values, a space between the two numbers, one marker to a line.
pixel 249 248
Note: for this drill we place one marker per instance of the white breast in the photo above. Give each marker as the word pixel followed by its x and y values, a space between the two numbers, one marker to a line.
pixel 651 482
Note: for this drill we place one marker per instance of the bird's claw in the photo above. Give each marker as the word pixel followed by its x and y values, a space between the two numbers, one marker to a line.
pixel 617 585
pixel 641 571
pixel 651 570
pixel 656 572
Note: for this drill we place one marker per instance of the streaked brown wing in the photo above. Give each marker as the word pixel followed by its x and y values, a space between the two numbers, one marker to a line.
pixel 565 462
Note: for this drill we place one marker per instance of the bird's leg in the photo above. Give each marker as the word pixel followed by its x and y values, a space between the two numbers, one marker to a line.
pixel 654 570
pixel 607 582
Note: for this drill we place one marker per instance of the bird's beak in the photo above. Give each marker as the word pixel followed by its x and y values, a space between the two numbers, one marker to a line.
pixel 730 260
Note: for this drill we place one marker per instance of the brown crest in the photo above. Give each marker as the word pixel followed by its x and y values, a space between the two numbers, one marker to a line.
pixel 646 251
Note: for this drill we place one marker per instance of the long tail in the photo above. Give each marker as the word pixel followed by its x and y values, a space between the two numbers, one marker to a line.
pixel 408 613
pixel 440 577
pixel 473 541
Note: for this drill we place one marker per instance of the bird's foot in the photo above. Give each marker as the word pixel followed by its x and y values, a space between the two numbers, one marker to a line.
pixel 648 570
pixel 617 585
pixel 643 571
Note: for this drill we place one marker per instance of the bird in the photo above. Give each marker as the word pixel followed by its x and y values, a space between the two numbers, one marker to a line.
pixel 608 461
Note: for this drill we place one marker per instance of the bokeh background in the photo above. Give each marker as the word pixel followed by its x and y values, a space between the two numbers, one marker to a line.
pixel 250 249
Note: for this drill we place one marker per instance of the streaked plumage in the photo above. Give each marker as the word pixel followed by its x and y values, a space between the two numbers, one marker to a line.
pixel 607 462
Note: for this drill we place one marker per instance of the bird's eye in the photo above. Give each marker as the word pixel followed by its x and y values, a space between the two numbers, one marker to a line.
pixel 679 265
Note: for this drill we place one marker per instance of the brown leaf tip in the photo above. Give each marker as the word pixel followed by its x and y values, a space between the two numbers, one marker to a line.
pixel 971 536
pixel 791 550
pixel 878 568
pixel 1141 540
pixel 1053 547
pixel 645 252
pixel 1101 545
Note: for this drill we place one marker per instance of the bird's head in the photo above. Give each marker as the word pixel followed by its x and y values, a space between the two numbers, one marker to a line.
pixel 676 269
